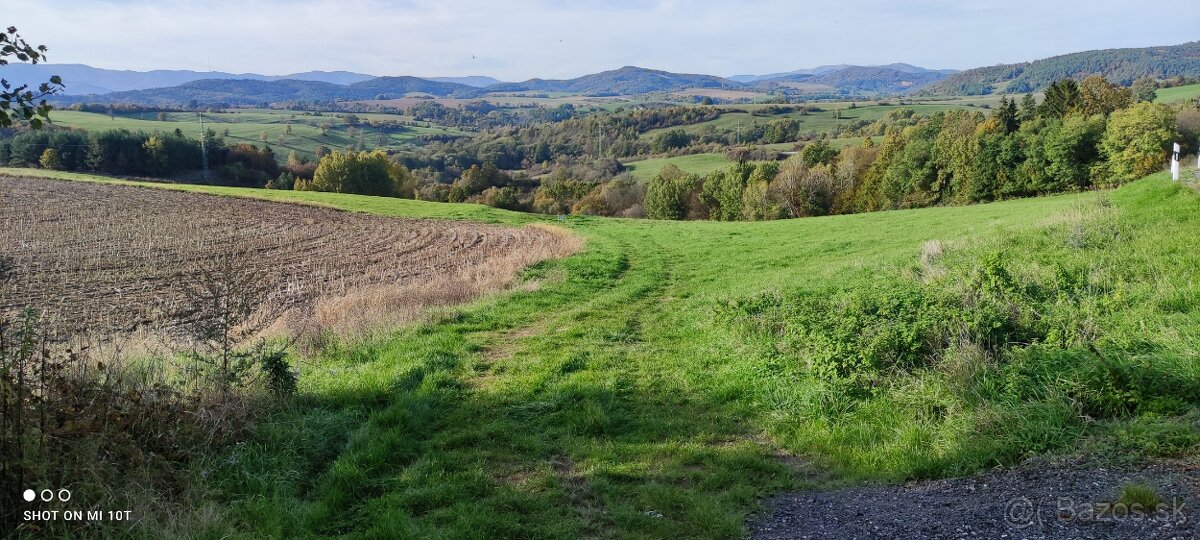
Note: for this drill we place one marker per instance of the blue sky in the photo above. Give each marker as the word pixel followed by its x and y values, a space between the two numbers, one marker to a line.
pixel 514 40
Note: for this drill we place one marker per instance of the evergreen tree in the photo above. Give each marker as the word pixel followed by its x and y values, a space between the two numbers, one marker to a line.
pixel 1029 108
pixel 1061 98
pixel 1007 115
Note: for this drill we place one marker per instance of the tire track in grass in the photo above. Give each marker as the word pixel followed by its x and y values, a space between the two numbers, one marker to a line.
pixel 414 464
pixel 582 431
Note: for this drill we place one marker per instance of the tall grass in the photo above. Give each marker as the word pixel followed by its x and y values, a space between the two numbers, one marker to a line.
pixel 1003 347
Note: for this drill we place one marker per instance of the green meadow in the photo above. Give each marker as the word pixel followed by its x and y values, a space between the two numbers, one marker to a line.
pixel 1178 94
pixel 661 382
pixel 701 164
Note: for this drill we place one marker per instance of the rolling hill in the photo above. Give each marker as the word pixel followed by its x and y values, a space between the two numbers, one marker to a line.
pixel 829 69
pixel 626 80
pixel 178 88
pixel 863 80
pixel 250 92
pixel 82 79
pixel 478 81
pixel 1121 66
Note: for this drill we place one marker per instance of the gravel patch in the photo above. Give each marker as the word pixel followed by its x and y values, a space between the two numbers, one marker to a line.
pixel 1033 501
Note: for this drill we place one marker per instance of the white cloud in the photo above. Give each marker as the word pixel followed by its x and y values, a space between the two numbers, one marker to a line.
pixel 557 38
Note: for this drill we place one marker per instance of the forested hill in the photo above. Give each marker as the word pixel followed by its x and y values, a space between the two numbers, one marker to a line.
pixel 242 92
pixel 83 79
pixel 862 80
pixel 1121 66
pixel 627 80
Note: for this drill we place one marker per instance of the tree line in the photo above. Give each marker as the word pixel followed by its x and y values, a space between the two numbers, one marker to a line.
pixel 136 153
pixel 1082 135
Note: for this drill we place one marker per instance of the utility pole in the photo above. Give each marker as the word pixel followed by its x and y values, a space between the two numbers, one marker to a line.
pixel 599 141
pixel 203 148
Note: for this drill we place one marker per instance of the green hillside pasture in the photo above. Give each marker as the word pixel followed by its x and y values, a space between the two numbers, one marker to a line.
pixel 701 164
pixel 248 126
pixel 1178 94
pixel 662 382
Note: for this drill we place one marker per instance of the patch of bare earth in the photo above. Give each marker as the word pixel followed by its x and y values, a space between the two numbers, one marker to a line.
pixel 106 259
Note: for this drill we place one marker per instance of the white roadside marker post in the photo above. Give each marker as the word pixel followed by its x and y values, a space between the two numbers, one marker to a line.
pixel 1175 163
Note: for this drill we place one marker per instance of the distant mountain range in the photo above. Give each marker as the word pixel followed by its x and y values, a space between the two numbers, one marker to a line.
pixel 173 88
pixel 625 81
pixel 82 79
pixel 855 80
pixel 477 81
pixel 251 92
pixel 1121 66
pixel 824 70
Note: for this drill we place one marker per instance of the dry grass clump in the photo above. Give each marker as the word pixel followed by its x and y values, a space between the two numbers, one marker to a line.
pixel 115 427
pixel 371 309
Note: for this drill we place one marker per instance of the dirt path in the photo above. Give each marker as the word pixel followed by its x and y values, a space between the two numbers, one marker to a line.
pixel 1035 500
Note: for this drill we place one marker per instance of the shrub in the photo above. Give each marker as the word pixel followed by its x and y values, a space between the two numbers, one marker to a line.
pixel 669 194
pixel 278 375
pixel 506 197
pixel 801 190
pixel 363 173
pixel 50 160
pixel 557 196
pixel 119 434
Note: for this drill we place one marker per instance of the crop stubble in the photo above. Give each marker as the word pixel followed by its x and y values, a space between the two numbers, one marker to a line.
pixel 104 259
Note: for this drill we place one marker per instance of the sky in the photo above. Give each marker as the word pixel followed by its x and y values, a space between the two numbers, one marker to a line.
pixel 517 40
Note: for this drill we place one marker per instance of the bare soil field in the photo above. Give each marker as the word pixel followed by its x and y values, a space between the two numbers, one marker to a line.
pixel 105 259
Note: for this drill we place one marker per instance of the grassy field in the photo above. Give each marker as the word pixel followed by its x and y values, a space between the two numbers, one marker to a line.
pixel 700 164
pixel 250 124
pixel 1178 94
pixel 650 387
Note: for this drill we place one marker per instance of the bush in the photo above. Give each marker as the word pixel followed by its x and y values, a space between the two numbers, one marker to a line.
pixel 50 160
pixel 506 197
pixel 278 376
pixel 117 434
pixel 669 194
pixel 557 196
pixel 363 173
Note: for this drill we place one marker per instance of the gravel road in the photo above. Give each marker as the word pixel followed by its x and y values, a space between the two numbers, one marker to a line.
pixel 1034 501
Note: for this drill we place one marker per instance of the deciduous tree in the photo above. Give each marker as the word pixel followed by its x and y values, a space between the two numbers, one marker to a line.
pixel 1137 139
pixel 20 102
